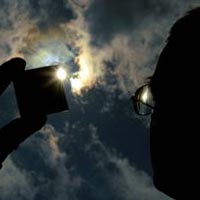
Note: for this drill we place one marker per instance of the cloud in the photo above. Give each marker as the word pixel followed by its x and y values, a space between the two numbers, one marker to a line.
pixel 132 183
pixel 56 177
pixel 106 18
pixel 43 177
pixel 87 35
pixel 126 38
pixel 104 173
pixel 36 31
pixel 74 165
pixel 25 20
pixel 50 13
pixel 15 183
pixel 14 29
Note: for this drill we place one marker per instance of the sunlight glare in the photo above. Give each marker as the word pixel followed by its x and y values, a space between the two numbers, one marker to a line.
pixel 145 95
pixel 61 74
pixel 76 85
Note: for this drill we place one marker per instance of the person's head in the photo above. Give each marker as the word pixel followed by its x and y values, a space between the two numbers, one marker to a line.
pixel 177 67
pixel 174 86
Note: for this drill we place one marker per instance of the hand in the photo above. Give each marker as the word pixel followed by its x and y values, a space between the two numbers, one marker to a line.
pixel 14 133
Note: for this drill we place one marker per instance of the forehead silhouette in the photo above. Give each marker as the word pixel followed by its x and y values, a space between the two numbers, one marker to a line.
pixel 186 27
pixel 179 60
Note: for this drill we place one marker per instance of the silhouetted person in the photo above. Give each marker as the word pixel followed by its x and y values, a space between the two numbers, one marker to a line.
pixel 173 97
pixel 174 135
pixel 19 129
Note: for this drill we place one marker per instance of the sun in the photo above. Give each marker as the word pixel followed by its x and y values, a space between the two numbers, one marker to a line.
pixel 61 74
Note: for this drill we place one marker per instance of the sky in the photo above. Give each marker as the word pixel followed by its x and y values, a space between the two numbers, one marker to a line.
pixel 99 149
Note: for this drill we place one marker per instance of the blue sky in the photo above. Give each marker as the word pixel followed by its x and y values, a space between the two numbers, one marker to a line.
pixel 99 149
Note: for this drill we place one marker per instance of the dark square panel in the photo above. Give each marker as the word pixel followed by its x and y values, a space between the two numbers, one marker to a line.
pixel 39 90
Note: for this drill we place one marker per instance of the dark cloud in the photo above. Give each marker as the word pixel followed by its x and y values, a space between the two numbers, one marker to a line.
pixel 47 13
pixel 106 18
pixel 5 22
pixel 87 169
pixel 15 183
pixel 104 174
pixel 50 13
pixel 5 49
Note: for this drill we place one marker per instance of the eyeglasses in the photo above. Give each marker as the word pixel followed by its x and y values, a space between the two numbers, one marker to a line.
pixel 143 101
